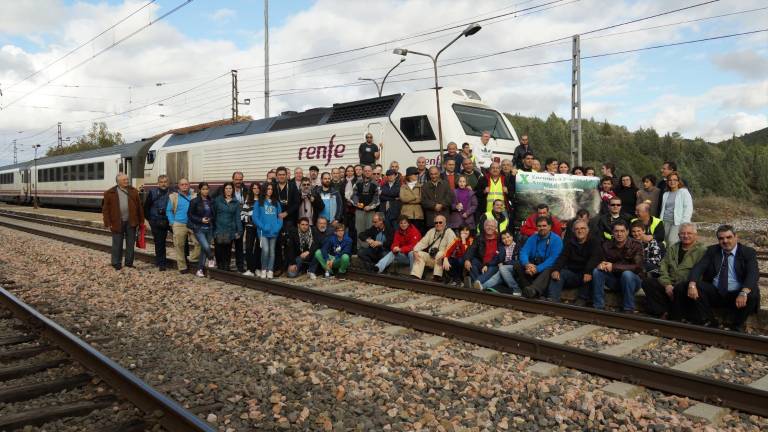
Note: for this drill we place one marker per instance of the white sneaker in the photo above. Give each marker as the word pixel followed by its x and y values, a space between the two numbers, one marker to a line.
pixel 247 273
pixel 200 273
pixel 211 263
pixel 263 274
pixel 270 274
pixel 327 274
pixel 478 285
pixel 312 275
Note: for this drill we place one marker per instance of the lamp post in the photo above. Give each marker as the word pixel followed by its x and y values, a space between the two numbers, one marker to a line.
pixel 34 201
pixel 469 31
pixel 380 89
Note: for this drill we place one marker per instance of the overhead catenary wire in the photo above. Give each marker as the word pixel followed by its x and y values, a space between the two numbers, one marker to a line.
pixel 102 51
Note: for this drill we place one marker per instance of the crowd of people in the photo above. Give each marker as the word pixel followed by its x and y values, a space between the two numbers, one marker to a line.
pixel 458 221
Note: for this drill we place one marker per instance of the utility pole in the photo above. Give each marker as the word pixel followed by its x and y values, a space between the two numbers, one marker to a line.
pixel 576 156
pixel 234 96
pixel 266 58
pixel 15 153
pixel 60 143
pixel 34 173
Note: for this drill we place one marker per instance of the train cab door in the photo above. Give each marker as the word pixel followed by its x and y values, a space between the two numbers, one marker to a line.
pixel 26 181
pixel 377 130
pixel 128 168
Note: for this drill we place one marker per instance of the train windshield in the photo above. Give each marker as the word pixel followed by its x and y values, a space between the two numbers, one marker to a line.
pixel 476 120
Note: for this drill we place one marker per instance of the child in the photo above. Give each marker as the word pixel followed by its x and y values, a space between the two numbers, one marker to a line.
pixel 454 256
pixel 606 193
pixel 334 255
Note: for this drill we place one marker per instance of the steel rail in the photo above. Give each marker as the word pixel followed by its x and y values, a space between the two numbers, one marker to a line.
pixel 670 329
pixel 149 400
pixel 741 397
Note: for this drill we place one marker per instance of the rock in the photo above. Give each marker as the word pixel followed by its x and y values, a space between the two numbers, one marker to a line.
pixel 211 418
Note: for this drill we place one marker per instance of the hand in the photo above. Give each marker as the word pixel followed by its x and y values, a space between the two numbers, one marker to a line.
pixel 282 215
pixel 693 292
pixel 647 237
pixel 446 265
pixel 670 290
pixel 741 301
pixel 468 265
pixel 484 269
pixel 304 255
pixel 360 205
pixel 329 263
pixel 459 206
pixel 504 189
pixel 237 235
pixel 587 278
pixel 514 171
pixel 555 275
pixel 530 269
pixel 396 249
pixel 486 190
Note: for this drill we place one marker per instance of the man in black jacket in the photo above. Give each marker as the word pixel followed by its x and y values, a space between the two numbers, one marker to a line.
pixel 606 221
pixel 377 240
pixel 726 276
pixel 288 195
pixel 520 152
pixel 154 211
pixel 573 268
pixel 303 242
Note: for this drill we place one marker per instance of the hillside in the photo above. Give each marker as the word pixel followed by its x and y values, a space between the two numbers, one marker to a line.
pixel 734 168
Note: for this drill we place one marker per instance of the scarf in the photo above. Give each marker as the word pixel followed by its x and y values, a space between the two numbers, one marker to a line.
pixel 305 240
pixel 411 185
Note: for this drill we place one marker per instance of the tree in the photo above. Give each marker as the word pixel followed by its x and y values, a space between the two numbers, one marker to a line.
pixel 98 137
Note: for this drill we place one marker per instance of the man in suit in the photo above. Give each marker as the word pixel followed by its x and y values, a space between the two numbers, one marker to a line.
pixel 726 276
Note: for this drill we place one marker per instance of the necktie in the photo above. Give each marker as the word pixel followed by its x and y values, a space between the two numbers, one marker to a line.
pixel 722 280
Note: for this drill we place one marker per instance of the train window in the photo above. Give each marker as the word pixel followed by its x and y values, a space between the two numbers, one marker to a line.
pixel 58 174
pixel 81 172
pixel 91 171
pixel 417 128
pixel 65 173
pixel 41 175
pixel 476 120
pixel 100 171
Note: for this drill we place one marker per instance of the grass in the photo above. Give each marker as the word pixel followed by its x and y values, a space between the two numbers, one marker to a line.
pixel 719 209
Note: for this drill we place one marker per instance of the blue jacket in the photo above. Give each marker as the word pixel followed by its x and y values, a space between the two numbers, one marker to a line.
pixel 265 216
pixel 333 205
pixel 227 218
pixel 182 207
pixel 334 247
pixel 548 249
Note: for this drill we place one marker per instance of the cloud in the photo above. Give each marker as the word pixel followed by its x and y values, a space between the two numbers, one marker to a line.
pixel 736 124
pixel 223 15
pixel 747 64
pixel 31 16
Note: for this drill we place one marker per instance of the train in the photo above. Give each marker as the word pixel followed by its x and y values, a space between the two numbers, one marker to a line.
pixel 405 125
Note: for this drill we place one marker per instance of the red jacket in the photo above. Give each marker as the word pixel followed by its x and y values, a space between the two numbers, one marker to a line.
pixel 406 240
pixel 457 249
pixel 529 227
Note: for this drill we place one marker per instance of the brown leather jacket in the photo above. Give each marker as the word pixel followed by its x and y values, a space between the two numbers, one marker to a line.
pixel 110 209
pixel 626 258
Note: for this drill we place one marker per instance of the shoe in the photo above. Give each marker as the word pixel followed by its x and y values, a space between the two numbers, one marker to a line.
pixel 311 275
pixel 162 268
pixel 529 292
pixel 438 279
pixel 263 274
pixel 200 273
pixel 489 289
pixel 277 273
pixel 116 266
pixel 516 292
pixel 477 285
pixel 185 271
pixel 270 274
pixel 211 263
pixel 130 266
pixel 580 302
pixel 327 275
pixel 247 273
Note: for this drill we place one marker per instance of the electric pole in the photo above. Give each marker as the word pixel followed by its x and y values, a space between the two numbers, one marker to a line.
pixel 576 156
pixel 60 143
pixel 234 96
pixel 266 58
pixel 15 153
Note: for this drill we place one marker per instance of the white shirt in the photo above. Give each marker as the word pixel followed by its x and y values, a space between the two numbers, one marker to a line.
pixel 484 155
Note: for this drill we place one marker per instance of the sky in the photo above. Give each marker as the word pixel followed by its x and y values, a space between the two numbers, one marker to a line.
pixel 142 72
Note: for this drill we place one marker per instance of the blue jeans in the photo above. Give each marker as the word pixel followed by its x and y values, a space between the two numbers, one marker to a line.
pixel 204 236
pixel 310 265
pixel 391 257
pixel 506 274
pixel 628 282
pixel 476 272
pixel 567 279
pixel 267 252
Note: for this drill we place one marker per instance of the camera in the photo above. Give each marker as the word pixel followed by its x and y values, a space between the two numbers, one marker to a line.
pixel 433 252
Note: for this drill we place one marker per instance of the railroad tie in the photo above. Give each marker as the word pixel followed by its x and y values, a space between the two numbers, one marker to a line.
pixel 704 360
pixel 454 307
pixel 618 388
pixel 483 316
pixel 549 369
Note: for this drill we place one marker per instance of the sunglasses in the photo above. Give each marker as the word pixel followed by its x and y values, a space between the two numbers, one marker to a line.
pixel 439 222
pixel 615 205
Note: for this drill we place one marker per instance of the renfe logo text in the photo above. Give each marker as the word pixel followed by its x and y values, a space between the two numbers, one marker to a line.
pixel 324 152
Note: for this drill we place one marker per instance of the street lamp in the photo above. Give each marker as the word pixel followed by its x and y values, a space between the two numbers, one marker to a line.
pixel 34 201
pixel 469 31
pixel 381 89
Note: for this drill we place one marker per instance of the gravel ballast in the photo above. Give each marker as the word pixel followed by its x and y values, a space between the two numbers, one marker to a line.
pixel 252 361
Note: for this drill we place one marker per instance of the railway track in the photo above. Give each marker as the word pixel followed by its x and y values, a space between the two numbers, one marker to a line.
pixel 515 325
pixel 39 345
